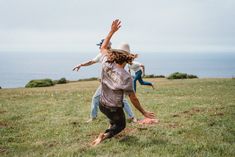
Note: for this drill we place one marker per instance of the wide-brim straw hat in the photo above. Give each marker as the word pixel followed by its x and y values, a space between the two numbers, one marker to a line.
pixel 123 48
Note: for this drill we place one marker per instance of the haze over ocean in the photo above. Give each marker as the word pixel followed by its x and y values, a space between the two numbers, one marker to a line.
pixel 16 69
pixel 197 36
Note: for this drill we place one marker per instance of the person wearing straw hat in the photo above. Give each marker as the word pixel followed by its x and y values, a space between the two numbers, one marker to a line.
pixel 115 82
pixel 96 96
pixel 137 67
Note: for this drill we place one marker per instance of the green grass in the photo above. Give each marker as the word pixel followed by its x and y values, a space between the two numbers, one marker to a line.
pixel 196 119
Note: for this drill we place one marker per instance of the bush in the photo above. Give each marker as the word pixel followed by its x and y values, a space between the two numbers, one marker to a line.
pixel 89 79
pixel 154 76
pixel 190 76
pixel 39 83
pixel 62 81
pixel 178 75
pixel 149 76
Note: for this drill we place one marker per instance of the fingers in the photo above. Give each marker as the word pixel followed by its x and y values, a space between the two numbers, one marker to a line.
pixel 119 24
pixel 150 115
pixel 116 24
pixel 76 68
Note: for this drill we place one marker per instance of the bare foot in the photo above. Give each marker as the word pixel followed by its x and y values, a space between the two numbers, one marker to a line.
pixel 153 86
pixel 90 120
pixel 97 141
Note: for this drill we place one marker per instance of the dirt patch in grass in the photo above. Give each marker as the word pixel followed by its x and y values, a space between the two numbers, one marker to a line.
pixel 174 125
pixel 215 111
pixel 217 114
pixel 175 115
pixel 2 111
pixel 3 124
pixel 190 112
pixel 3 150
pixel 194 111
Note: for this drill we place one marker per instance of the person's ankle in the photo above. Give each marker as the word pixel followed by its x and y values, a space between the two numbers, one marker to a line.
pixel 91 119
pixel 132 119
pixel 153 86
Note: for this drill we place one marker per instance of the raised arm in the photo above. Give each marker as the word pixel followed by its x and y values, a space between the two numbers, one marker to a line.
pixel 116 24
pixel 136 103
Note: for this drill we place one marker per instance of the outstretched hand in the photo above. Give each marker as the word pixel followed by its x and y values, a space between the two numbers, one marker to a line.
pixel 149 115
pixel 115 25
pixel 77 67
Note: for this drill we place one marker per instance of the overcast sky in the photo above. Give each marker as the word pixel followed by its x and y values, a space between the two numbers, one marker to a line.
pixel 148 25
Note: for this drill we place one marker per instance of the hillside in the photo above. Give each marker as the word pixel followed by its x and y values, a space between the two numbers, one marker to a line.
pixel 196 119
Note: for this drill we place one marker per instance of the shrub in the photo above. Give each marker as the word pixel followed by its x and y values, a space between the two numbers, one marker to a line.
pixel 39 83
pixel 149 76
pixel 62 81
pixel 154 76
pixel 89 79
pixel 190 76
pixel 178 75
pixel 160 76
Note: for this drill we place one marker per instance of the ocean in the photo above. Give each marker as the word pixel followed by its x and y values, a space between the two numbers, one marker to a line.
pixel 18 68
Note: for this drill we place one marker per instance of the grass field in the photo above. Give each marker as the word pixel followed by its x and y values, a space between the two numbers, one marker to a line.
pixel 197 118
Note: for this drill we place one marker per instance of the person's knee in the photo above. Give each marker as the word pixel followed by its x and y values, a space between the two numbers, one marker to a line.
pixel 135 79
pixel 122 125
pixel 141 82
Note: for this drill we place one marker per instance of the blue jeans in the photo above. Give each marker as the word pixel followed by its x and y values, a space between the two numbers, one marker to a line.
pixel 95 105
pixel 139 78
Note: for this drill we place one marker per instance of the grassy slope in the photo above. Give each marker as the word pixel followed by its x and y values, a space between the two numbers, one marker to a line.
pixel 197 119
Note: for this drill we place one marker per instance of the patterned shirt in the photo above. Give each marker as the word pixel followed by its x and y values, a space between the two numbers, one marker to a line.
pixel 115 82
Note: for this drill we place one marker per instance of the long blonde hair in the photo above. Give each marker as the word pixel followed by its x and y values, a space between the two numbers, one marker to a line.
pixel 120 56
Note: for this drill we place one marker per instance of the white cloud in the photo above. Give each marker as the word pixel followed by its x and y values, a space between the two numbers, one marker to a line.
pixel 76 25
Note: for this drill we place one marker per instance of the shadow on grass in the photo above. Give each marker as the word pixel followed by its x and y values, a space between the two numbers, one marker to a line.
pixel 133 140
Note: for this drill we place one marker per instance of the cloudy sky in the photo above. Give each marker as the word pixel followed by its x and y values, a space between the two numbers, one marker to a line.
pixel 148 25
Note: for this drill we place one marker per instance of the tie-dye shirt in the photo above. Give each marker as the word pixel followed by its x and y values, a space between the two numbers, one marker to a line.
pixel 115 82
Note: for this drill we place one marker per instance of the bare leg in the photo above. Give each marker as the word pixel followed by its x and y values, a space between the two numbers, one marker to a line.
pixel 153 86
pixel 100 138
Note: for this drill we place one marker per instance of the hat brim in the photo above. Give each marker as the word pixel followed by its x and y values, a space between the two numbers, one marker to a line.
pixel 120 51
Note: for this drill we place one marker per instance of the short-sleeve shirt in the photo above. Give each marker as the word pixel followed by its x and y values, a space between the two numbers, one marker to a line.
pixel 97 59
pixel 115 82
pixel 135 66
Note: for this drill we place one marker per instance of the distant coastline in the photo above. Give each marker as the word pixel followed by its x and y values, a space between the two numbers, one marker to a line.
pixel 17 69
